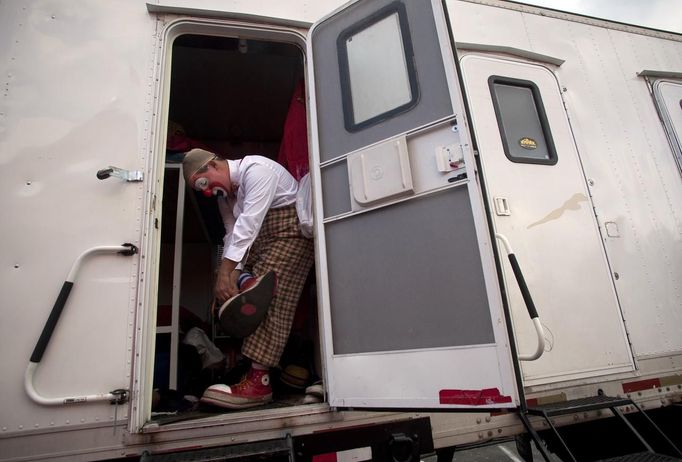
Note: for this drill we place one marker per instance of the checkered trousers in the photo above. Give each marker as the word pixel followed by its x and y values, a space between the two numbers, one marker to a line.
pixel 280 247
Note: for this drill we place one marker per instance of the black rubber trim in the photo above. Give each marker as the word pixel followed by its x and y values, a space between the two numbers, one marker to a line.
pixel 522 285
pixel 51 322
pixel 104 173
pixel 131 249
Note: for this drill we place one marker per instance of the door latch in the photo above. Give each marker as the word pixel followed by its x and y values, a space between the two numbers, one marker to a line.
pixel 502 206
pixel 131 176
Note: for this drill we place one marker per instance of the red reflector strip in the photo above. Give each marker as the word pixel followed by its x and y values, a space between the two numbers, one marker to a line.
pixel 349 455
pixel 329 457
pixel 473 397
pixel 641 385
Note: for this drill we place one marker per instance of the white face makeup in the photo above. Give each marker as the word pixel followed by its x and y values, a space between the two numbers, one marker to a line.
pixel 201 183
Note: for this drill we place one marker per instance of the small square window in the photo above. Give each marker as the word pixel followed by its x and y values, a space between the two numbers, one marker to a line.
pixel 378 79
pixel 522 121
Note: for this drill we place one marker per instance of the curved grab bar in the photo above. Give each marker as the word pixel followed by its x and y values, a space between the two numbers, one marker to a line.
pixel 530 306
pixel 116 396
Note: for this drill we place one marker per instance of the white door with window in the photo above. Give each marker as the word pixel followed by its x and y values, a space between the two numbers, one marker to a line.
pixel 410 303
pixel 539 200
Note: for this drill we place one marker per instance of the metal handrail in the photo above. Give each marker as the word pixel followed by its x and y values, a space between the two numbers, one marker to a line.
pixel 116 396
pixel 530 306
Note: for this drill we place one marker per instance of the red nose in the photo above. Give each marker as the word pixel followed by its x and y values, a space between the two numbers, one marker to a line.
pixel 208 192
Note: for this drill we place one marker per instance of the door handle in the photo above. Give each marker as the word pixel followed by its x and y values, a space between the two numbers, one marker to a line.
pixel 131 176
pixel 528 300
pixel 502 206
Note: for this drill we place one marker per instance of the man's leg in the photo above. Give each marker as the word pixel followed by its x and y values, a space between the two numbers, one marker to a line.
pixel 281 248
pixel 290 255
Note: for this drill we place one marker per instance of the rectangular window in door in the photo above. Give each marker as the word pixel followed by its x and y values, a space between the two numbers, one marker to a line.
pixel 378 79
pixel 522 120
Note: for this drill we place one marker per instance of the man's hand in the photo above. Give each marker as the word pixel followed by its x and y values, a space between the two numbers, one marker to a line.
pixel 226 281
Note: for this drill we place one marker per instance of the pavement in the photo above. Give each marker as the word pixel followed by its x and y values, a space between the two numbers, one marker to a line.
pixel 501 452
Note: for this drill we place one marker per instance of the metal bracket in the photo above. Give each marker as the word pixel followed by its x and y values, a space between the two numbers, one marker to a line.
pixel 120 396
pixel 130 251
pixel 131 176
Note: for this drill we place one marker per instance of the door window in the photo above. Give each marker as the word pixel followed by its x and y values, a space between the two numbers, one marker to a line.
pixel 377 69
pixel 522 121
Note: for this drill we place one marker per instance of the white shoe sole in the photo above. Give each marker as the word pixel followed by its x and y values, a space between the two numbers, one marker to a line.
pixel 228 401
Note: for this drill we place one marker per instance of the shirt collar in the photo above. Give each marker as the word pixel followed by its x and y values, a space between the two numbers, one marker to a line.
pixel 234 172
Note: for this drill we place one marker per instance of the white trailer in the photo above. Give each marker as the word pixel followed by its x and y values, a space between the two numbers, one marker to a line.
pixel 441 135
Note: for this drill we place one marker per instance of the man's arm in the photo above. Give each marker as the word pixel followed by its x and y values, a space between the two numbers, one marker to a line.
pixel 226 280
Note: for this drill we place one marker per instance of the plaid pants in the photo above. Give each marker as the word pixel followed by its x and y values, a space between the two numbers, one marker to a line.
pixel 280 247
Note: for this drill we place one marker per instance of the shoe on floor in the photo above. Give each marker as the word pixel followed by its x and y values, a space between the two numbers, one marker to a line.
pixel 311 399
pixel 295 376
pixel 241 315
pixel 254 390
pixel 316 389
pixel 314 393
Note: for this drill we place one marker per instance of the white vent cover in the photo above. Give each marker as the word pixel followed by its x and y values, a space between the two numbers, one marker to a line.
pixel 380 172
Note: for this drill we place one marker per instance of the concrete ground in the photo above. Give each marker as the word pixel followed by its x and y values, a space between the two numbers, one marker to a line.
pixel 501 452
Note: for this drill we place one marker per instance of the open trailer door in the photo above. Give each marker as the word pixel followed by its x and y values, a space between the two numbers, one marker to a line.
pixel 410 305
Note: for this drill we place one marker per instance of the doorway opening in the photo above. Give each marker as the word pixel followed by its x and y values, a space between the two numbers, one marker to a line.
pixel 233 97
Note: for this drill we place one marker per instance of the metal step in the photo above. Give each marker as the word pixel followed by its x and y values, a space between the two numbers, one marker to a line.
pixel 642 457
pixel 579 405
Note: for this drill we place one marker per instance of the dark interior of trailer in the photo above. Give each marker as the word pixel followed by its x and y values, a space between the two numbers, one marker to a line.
pixel 233 97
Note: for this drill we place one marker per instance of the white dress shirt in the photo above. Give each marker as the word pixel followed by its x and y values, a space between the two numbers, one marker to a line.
pixel 261 184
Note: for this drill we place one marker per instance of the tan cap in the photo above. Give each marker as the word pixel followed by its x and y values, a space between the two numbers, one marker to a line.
pixel 194 160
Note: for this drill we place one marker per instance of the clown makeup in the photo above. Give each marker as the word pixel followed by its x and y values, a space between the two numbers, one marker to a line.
pixel 201 183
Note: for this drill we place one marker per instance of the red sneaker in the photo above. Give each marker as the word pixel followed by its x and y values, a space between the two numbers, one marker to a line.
pixel 241 315
pixel 253 390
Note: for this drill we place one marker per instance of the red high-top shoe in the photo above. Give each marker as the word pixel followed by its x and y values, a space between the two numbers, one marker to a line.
pixel 253 390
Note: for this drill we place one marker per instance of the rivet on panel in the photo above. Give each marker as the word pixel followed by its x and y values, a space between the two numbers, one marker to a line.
pixel 487 419
pixel 478 421
pixel 490 433
pixel 21 427
pixel 16 266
